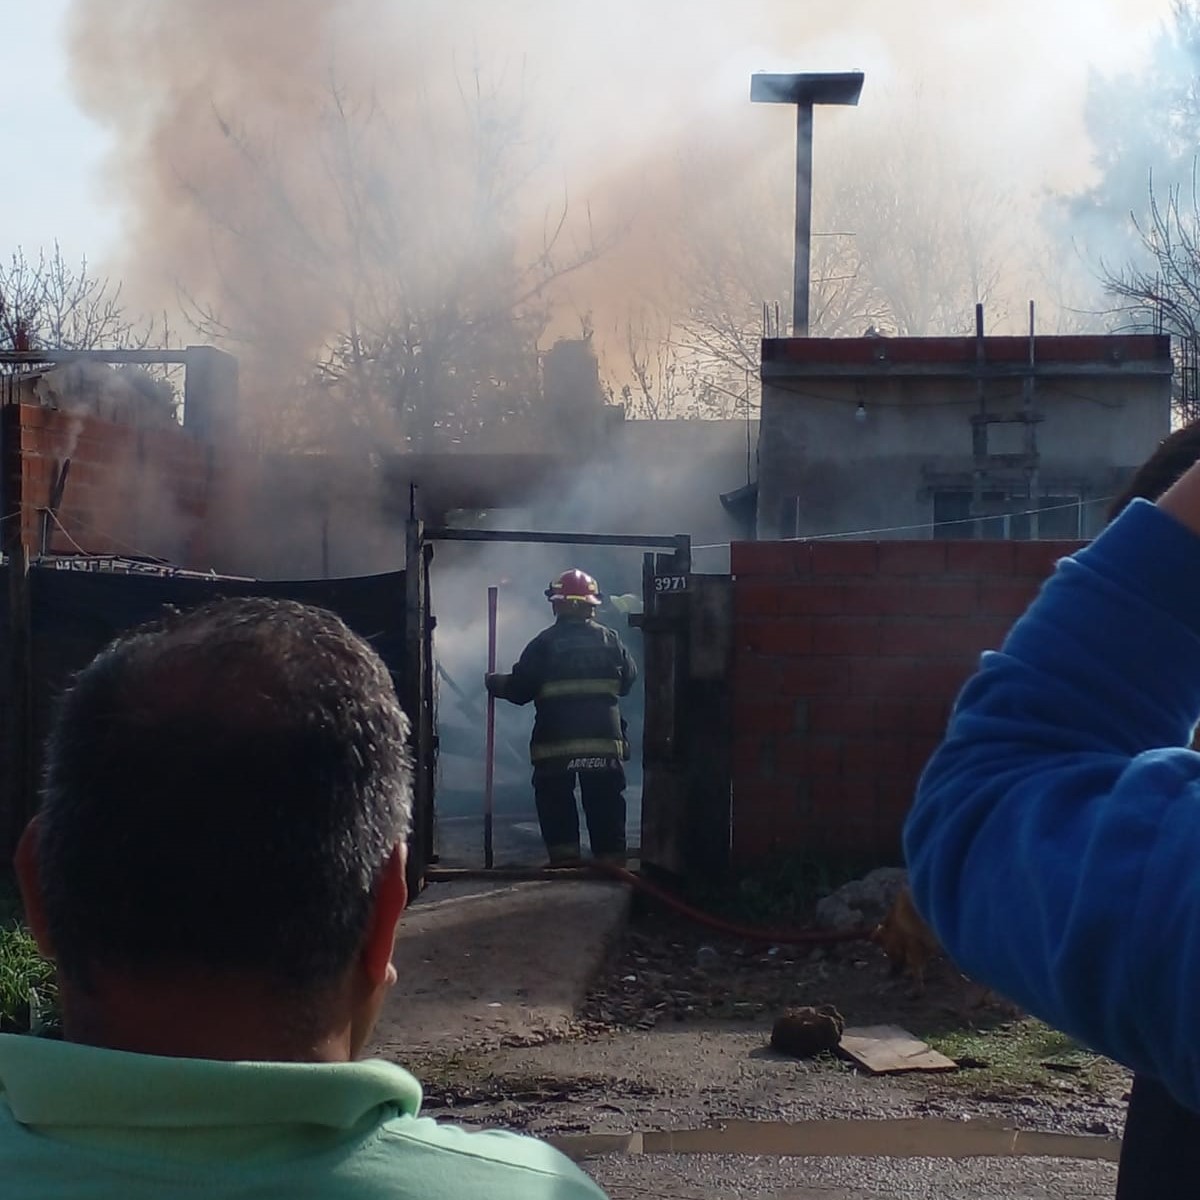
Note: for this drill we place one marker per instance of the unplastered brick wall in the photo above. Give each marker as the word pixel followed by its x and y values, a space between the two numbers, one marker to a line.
pixel 847 659
pixel 129 491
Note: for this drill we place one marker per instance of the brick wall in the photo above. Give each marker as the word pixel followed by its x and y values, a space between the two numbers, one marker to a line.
pixel 129 491
pixel 847 657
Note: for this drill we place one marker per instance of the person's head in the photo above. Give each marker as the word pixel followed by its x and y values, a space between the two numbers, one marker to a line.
pixel 574 595
pixel 226 797
pixel 1174 455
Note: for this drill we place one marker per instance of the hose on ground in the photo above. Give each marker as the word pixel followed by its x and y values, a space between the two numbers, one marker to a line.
pixel 749 933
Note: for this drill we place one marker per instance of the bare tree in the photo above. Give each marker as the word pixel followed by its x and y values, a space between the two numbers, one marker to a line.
pixel 1162 286
pixel 658 389
pixel 668 376
pixel 929 239
pixel 404 256
pixel 1159 289
pixel 45 304
pixel 906 247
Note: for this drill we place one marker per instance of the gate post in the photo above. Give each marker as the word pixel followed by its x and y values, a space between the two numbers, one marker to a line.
pixel 686 743
pixel 417 699
pixel 17 776
pixel 664 774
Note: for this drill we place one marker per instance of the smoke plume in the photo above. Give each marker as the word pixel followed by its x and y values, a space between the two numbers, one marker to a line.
pixel 309 177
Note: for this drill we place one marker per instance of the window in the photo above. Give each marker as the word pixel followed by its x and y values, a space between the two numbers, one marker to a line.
pixel 1058 516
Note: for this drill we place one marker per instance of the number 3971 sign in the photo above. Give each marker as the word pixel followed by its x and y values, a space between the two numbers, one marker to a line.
pixel 670 583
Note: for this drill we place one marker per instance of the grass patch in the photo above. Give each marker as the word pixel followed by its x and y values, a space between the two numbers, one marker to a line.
pixel 1024 1055
pixel 28 995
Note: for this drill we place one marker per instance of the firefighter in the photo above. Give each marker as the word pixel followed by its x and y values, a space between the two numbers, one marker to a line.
pixel 575 672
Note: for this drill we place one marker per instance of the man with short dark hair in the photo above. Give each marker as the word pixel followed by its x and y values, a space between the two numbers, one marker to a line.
pixel 218 871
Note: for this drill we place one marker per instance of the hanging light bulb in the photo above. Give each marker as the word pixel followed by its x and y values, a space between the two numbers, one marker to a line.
pixel 860 413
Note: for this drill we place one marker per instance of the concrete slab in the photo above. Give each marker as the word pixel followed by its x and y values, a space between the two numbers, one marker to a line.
pixel 482 963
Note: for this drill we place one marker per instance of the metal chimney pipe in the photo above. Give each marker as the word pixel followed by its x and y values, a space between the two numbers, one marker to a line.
pixel 805 91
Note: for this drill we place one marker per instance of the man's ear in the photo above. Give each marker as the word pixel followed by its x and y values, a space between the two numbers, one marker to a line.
pixel 391 895
pixel 26 863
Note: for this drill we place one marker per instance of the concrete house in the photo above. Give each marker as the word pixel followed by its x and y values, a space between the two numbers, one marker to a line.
pixel 994 437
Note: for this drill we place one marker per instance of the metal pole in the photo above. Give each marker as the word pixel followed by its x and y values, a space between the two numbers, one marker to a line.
pixel 663 541
pixel 418 703
pixel 802 267
pixel 804 90
pixel 1033 482
pixel 489 777
pixel 980 440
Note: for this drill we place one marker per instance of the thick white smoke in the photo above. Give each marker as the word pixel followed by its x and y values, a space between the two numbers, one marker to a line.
pixel 238 125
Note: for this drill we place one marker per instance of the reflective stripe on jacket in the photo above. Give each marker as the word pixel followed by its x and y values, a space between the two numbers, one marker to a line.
pixel 575 671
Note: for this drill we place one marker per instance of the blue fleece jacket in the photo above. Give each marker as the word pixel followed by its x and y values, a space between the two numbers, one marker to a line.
pixel 1054 844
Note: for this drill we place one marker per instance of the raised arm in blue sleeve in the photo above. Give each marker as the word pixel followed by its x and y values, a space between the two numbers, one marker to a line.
pixel 1054 844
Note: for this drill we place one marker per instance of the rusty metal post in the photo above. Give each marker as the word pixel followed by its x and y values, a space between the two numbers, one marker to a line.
pixel 489 771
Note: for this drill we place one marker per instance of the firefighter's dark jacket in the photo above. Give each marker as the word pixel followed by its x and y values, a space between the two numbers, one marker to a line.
pixel 574 671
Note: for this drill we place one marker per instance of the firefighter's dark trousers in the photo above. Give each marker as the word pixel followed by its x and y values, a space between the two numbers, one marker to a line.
pixel 1160 1153
pixel 602 791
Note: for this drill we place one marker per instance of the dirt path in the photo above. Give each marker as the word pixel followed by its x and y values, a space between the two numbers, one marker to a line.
pixel 673 1034
pixel 481 963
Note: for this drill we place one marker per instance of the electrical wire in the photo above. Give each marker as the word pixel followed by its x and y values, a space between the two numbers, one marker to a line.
pixel 49 512
pixel 116 541
pixel 862 533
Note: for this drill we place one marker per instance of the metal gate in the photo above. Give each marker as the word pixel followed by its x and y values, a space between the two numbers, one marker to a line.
pixel 685 624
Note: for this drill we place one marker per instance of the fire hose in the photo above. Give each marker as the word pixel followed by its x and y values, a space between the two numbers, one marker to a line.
pixel 749 933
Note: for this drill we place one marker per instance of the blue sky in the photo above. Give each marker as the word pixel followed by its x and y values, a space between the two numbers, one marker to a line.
pixel 52 151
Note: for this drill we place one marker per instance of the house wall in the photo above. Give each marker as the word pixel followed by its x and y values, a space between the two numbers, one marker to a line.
pixel 824 470
pixel 129 491
pixel 847 657
pixel 204 505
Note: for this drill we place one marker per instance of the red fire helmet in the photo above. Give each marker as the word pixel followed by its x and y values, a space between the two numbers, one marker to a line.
pixel 574 585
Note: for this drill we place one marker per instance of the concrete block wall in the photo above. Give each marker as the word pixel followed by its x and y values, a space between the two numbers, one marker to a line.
pixel 847 657
pixel 129 491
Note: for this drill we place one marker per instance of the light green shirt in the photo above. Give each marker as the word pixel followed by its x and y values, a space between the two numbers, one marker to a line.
pixel 80 1122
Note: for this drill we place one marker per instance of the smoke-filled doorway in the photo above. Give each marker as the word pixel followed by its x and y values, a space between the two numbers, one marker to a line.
pixel 473 553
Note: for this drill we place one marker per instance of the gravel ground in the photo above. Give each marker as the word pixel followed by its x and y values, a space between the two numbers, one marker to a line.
pixel 742 1177
pixel 663 1041
pixel 668 969
pixel 684 1077
pixel 674 1035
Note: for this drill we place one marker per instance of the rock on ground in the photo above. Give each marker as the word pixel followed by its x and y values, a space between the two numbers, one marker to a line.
pixel 862 902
